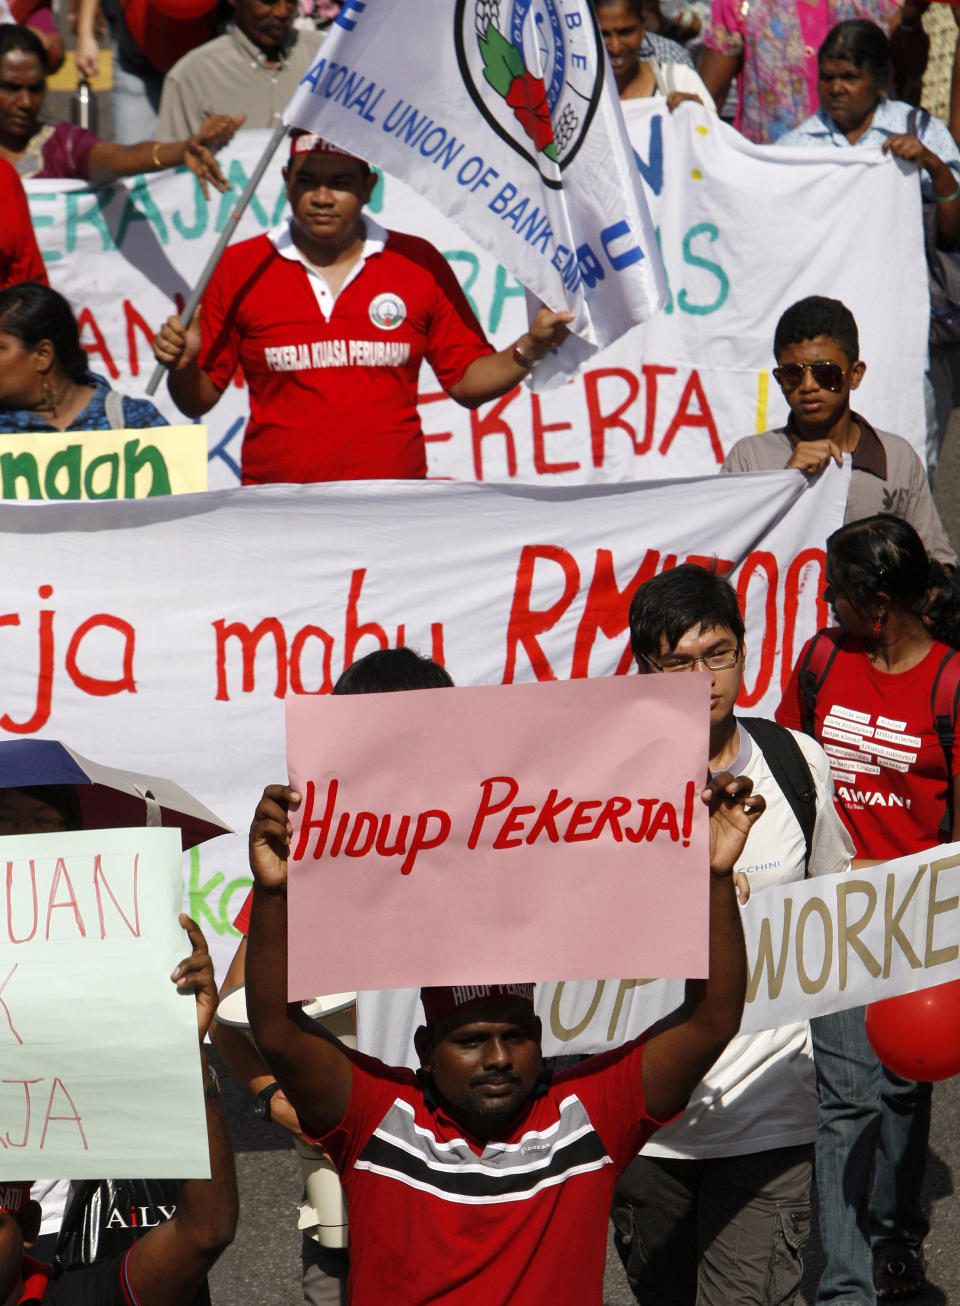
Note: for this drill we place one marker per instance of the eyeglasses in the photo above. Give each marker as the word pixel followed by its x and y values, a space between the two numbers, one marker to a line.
pixel 727 657
pixel 828 376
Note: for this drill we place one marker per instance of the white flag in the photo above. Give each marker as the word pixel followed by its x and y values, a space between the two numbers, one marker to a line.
pixel 503 113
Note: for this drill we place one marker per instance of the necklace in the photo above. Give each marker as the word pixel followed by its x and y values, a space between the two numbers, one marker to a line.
pixel 48 398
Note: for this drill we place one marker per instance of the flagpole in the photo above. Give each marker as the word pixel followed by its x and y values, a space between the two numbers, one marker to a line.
pixel 190 307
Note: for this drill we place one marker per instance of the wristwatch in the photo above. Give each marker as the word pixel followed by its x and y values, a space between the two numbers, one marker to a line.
pixel 261 1103
pixel 211 1088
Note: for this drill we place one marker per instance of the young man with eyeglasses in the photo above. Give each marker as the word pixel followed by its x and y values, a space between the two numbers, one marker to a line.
pixel 817 348
pixel 716 1208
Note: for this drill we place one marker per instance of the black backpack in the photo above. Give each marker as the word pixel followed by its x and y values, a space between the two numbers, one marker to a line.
pixel 791 771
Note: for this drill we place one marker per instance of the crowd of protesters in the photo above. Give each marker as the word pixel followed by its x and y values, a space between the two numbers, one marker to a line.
pixel 712 1205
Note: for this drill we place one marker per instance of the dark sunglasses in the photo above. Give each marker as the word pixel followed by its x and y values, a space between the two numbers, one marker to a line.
pixel 828 376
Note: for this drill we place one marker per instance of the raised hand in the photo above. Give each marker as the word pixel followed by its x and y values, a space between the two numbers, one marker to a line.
pixel 196 973
pixel 270 836
pixel 734 809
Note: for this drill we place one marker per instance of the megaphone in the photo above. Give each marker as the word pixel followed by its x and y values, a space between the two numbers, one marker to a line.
pixel 323 1212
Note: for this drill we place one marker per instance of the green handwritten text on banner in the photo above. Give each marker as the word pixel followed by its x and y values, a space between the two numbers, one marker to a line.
pixel 129 464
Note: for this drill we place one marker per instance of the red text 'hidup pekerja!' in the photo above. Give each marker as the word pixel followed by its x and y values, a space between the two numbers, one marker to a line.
pixel 498 822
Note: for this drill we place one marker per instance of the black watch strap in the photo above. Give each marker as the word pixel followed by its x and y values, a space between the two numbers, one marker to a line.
pixel 261 1103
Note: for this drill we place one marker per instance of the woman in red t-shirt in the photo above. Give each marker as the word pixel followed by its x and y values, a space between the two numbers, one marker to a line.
pixel 896 790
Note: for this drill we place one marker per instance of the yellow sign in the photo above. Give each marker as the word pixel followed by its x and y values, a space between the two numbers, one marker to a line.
pixel 130 464
pixel 67 77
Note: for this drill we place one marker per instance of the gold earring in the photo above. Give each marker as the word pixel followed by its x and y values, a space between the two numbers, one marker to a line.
pixel 48 397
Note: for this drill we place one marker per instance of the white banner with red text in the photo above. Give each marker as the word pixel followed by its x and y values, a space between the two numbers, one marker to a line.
pixel 745 231
pixel 162 634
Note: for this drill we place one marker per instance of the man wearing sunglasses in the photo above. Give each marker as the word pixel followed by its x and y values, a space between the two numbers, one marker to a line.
pixel 716 1208
pixel 817 348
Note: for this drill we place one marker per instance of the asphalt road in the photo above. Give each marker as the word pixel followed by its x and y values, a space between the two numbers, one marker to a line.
pixel 262 1267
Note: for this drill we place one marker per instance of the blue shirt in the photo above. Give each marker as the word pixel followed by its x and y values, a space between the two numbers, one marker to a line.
pixel 137 413
pixel 890 118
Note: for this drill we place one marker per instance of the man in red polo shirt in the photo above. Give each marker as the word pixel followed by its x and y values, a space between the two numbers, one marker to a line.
pixel 330 316
pixel 482 1178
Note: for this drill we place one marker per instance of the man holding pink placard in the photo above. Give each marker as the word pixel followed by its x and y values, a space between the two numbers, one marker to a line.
pixel 475 1177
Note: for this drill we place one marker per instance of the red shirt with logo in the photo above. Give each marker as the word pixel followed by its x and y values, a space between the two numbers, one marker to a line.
pixel 890 775
pixel 437 1215
pixel 335 397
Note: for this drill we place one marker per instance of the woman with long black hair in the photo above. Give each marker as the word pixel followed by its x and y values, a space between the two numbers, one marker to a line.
pixel 45 381
pixel 869 690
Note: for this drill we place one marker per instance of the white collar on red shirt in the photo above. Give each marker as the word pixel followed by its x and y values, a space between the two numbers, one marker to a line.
pixel 282 240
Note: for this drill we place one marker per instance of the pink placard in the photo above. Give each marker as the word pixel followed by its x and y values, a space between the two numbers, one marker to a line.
pixel 500 833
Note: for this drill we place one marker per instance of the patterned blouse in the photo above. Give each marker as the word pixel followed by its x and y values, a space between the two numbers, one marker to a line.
pixel 61 150
pixel 777 41
pixel 137 413
pixel 890 118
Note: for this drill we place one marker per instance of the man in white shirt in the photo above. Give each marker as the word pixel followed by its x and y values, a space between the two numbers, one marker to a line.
pixel 253 69
pixel 716 1208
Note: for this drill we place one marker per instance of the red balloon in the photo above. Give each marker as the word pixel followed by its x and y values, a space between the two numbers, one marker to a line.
pixel 917 1035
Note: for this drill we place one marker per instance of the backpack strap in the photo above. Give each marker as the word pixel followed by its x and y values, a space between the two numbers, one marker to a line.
pixel 113 407
pixel 945 702
pixel 817 661
pixel 917 121
pixel 790 769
